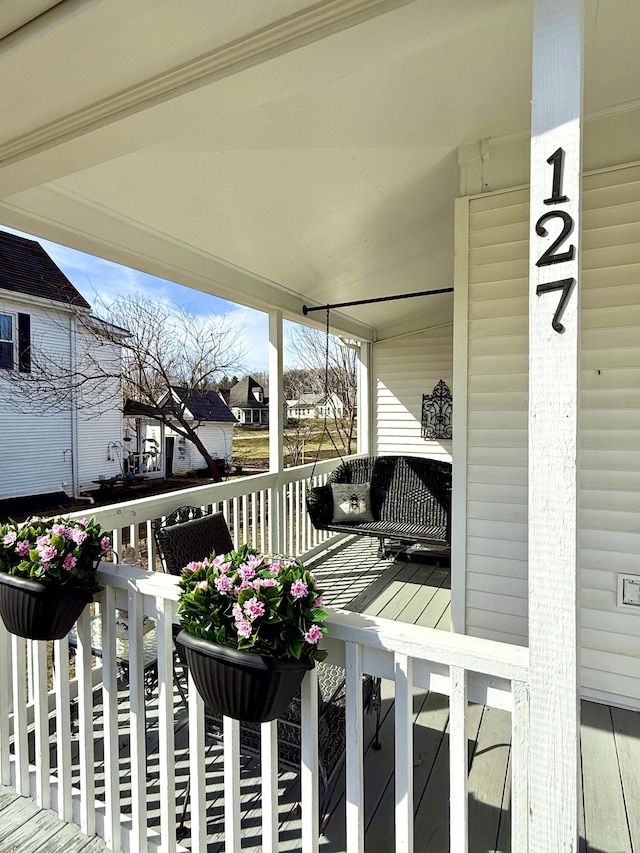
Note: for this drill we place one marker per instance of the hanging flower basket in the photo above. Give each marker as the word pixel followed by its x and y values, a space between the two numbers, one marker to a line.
pixel 251 626
pixel 48 574
pixel 37 612
pixel 242 685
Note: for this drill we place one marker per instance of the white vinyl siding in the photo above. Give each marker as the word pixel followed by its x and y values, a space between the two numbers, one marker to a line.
pixel 35 435
pixel 405 369
pixel 609 462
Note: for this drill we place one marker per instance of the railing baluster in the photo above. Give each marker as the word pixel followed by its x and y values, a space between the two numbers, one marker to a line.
pixel 41 723
pixel 231 747
pixel 197 781
pixel 458 761
pixel 254 520
pixel 113 834
pixel 85 724
pixel 355 769
pixel 63 728
pixel 263 520
pixel 151 546
pixel 165 726
pixel 519 766
pixel 246 534
pixel 20 744
pixel 237 539
pixel 404 752
pixel 137 727
pixel 309 762
pixel 6 710
pixel 269 785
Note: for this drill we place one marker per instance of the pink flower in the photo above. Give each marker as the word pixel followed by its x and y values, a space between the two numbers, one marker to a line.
pixel 237 612
pixel 254 608
pixel 254 561
pixel 83 521
pixel 58 529
pixel 10 537
pixel 47 553
pixel 275 569
pixel 23 547
pixel 192 567
pixel 203 585
pixel 78 536
pixel 220 563
pixel 247 572
pixel 299 589
pixel 243 627
pixel 319 602
pixel 69 561
pixel 41 541
pixel 223 583
pixel 105 543
pixel 263 583
pixel 313 635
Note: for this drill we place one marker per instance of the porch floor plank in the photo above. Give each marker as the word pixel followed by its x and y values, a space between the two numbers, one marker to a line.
pixel 26 828
pixel 606 824
pixel 626 727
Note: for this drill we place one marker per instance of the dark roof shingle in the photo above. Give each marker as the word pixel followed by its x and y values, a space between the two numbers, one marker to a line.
pixel 205 405
pixel 26 268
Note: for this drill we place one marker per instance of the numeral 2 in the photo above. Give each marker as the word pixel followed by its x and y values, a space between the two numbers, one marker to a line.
pixel 550 256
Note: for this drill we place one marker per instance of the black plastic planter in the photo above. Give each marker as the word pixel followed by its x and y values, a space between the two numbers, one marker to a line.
pixel 30 609
pixel 239 684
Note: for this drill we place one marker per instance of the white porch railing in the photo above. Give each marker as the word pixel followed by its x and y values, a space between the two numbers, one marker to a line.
pixel 76 767
pixel 267 511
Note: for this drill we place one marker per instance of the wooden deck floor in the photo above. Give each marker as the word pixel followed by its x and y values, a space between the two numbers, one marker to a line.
pixel 415 592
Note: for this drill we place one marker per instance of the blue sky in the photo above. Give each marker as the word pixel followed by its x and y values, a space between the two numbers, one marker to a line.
pixel 95 277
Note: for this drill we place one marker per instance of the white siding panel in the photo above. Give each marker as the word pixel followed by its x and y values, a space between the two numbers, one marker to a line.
pixel 405 369
pixel 609 516
pixel 35 436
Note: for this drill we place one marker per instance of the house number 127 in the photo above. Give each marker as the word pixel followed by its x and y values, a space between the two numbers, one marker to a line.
pixel 553 255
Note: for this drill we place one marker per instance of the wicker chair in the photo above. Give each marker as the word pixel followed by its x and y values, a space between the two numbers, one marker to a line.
pixel 190 534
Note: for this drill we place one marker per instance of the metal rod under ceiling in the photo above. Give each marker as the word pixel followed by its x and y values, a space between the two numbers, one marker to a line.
pixel 306 310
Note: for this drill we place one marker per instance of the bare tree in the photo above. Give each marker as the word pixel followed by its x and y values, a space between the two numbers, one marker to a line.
pixel 150 347
pixel 332 368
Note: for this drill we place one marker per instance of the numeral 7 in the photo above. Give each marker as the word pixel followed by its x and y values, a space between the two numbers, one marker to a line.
pixel 565 285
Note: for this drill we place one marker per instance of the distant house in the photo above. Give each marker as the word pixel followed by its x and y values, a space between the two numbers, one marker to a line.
pixel 58 449
pixel 315 406
pixel 249 402
pixel 158 445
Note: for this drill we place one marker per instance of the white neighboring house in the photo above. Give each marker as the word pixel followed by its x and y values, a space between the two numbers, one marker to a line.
pixel 213 421
pixel 62 448
pixel 315 406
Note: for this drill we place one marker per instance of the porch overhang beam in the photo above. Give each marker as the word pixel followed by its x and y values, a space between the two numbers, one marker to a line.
pixel 61 217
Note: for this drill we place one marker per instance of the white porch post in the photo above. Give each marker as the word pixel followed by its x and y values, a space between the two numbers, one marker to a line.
pixel 276 425
pixel 364 398
pixel 553 423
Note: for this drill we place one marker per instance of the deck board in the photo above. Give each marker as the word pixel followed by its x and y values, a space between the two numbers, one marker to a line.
pixel 606 823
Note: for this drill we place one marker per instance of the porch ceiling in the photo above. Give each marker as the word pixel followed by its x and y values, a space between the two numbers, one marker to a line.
pixel 273 153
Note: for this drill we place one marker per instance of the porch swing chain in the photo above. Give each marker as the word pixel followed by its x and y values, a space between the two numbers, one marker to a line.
pixel 326 397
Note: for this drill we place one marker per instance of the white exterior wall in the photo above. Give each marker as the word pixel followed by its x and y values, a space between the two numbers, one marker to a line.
pixel 216 437
pixel 35 444
pixel 496 446
pixel 99 421
pixel 406 368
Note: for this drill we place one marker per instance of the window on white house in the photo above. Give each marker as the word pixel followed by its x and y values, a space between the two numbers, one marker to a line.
pixel 6 341
pixel 15 330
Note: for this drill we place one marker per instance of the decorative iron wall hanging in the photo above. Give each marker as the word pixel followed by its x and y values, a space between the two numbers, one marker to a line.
pixel 437 412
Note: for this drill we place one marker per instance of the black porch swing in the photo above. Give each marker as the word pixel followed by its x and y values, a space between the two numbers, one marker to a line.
pixel 403 499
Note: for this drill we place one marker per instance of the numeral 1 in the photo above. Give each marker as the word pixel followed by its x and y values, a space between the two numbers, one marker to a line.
pixel 557 161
